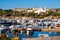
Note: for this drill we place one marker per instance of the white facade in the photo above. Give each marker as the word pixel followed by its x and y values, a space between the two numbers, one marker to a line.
pixel 29 10
pixel 40 10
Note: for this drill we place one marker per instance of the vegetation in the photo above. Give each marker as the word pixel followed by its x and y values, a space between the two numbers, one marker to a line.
pixel 27 14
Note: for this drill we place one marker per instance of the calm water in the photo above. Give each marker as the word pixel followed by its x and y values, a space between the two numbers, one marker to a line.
pixel 49 33
pixel 34 34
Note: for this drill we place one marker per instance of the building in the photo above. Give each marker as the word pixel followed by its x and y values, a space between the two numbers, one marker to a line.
pixel 35 10
pixel 40 10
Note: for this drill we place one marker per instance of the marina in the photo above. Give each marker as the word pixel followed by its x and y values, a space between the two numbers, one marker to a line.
pixel 29 28
pixel 29 20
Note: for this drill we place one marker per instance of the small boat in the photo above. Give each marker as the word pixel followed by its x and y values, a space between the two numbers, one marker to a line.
pixel 43 35
pixel 1 28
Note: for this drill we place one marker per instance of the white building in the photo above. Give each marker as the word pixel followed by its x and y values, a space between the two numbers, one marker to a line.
pixel 41 10
pixel 29 10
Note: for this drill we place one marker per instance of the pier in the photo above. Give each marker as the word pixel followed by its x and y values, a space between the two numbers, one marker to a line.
pixel 45 38
pixel 38 29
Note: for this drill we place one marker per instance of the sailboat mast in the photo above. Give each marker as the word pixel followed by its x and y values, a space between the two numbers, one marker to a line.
pixel 13 17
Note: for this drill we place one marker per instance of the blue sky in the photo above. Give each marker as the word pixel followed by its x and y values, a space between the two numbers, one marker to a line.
pixel 10 4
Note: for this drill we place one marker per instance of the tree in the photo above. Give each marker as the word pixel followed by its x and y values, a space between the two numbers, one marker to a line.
pixel 1 12
pixel 50 12
pixel 8 12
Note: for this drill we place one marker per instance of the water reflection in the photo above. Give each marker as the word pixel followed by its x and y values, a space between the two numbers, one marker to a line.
pixel 32 34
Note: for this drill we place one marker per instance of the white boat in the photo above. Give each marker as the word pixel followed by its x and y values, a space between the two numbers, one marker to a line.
pixel 1 28
pixel 43 35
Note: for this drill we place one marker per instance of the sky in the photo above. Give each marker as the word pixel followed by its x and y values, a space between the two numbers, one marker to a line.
pixel 10 4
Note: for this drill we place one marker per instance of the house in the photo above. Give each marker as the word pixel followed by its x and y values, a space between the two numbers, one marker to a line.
pixel 40 10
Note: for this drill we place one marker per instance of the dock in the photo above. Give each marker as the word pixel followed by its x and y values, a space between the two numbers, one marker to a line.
pixel 45 38
pixel 57 29
pixel 40 29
